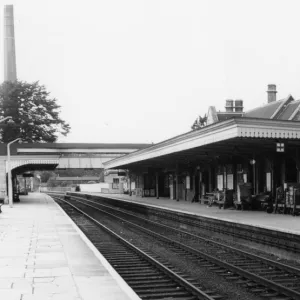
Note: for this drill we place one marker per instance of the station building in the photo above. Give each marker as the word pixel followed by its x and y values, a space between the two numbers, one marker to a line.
pixel 259 147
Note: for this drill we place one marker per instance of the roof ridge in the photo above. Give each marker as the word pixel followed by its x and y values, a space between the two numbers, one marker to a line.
pixel 264 105
pixel 296 111
pixel 282 107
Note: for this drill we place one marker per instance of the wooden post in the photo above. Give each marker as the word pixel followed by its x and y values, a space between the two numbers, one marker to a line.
pixel 298 166
pixel 142 184
pixel 254 178
pixel 200 186
pixel 156 181
pixel 194 186
pixel 282 171
pixel 209 179
pixel 273 187
pixel 177 182
pixel 129 185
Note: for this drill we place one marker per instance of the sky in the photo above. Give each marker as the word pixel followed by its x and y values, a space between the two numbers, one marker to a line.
pixel 143 71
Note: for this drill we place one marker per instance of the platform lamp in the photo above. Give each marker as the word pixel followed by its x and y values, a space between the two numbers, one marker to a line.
pixel 8 119
pixel 10 191
pixel 253 162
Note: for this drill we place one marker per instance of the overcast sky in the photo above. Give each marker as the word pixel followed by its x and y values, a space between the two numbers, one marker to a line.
pixel 142 71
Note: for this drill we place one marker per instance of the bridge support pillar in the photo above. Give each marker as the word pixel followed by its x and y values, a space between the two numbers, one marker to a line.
pixel 3 188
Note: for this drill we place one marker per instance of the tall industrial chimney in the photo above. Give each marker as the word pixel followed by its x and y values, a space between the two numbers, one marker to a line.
pixel 10 70
pixel 271 93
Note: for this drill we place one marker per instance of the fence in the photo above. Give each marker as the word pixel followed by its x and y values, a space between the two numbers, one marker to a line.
pixel 57 189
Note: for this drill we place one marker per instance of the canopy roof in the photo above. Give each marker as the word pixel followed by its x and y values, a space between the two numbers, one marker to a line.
pixel 244 136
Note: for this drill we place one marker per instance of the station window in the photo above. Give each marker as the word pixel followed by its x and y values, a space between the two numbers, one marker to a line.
pixel 116 182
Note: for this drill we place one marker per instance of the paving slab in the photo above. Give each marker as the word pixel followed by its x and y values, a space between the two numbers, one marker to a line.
pixel 44 256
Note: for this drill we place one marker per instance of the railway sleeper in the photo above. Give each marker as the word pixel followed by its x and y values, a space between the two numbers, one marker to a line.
pixel 129 264
pixel 165 289
pixel 149 282
pixel 287 282
pixel 137 287
pixel 258 290
pixel 270 294
pixel 216 268
pixel 132 269
pixel 269 273
pixel 162 295
pixel 251 266
pixel 131 260
pixel 285 276
pixel 245 262
pixel 129 274
pixel 112 255
pixel 145 277
pixel 235 277
pixel 115 251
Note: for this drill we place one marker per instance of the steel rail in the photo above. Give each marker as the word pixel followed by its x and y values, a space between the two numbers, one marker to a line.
pixel 194 236
pixel 226 227
pixel 188 286
pixel 261 280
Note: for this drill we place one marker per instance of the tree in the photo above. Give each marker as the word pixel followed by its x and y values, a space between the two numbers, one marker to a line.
pixel 35 113
pixel 45 175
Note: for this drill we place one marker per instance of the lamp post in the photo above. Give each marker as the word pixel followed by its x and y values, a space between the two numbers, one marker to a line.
pixel 9 118
pixel 253 162
pixel 39 178
pixel 10 191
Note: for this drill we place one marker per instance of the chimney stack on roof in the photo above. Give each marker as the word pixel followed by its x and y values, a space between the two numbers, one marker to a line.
pixel 229 105
pixel 238 105
pixel 271 93
pixel 234 106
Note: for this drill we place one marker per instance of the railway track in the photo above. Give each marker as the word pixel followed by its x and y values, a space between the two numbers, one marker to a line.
pixel 262 276
pixel 261 236
pixel 148 277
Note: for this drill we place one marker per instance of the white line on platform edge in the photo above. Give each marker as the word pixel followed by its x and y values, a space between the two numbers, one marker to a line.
pixel 121 282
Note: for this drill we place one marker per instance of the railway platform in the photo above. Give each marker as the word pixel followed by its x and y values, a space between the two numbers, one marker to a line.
pixel 44 256
pixel 278 222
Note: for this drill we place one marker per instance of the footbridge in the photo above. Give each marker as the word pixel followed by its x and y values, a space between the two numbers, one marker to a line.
pixel 49 156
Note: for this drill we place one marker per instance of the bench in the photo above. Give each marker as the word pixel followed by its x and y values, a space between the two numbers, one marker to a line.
pixel 207 198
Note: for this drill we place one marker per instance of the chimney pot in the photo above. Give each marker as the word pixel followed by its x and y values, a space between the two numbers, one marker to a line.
pixel 271 93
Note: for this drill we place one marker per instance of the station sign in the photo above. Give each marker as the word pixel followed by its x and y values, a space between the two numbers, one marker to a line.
pixel 279 147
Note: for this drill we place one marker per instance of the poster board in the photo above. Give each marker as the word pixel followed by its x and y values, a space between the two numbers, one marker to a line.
pixel 220 182
pixel 268 181
pixel 230 181
pixel 188 182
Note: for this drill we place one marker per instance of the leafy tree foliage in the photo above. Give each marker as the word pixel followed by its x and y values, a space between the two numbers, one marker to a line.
pixel 35 113
pixel 45 175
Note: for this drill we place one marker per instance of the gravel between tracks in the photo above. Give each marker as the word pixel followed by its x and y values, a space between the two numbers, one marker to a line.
pixel 206 277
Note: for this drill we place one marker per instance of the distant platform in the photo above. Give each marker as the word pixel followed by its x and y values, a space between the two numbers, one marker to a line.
pixel 278 222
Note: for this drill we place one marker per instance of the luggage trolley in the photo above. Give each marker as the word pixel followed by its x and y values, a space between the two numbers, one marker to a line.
pixel 280 200
pixel 295 200
pixel 289 200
